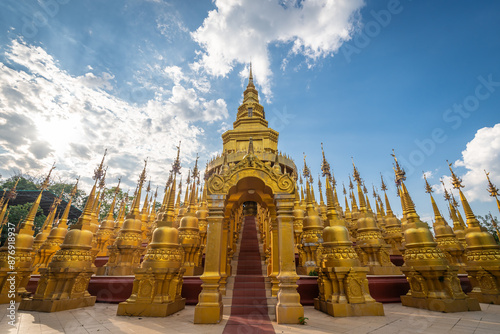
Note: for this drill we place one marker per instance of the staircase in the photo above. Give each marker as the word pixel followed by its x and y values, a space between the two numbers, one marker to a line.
pixel 249 303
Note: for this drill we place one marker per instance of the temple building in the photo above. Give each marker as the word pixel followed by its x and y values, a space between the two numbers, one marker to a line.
pixel 251 238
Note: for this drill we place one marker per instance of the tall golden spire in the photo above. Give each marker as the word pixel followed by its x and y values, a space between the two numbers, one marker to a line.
pixel 63 221
pixel 135 210
pixel 27 226
pixel 357 177
pixel 186 195
pixel 169 213
pixel 457 184
pixel 439 220
pixel 85 218
pixel 250 95
pixel 332 213
pixel 250 78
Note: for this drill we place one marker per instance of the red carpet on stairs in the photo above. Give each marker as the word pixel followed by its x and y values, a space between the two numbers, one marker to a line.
pixel 249 304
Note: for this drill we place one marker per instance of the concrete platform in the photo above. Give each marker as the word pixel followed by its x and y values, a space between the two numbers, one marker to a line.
pixel 102 318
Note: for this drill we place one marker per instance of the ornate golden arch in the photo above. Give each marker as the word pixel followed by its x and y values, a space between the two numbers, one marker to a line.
pixel 250 166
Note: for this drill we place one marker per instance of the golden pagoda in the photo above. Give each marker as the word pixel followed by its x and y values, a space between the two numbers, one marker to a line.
pixel 343 286
pixel 483 254
pixel 158 281
pixel 64 282
pixel 247 171
pixel 445 237
pixel 126 251
pixel 434 284
pixel 15 276
pixel 55 238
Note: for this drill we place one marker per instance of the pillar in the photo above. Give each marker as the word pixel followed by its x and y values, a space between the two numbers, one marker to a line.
pixel 288 310
pixel 209 307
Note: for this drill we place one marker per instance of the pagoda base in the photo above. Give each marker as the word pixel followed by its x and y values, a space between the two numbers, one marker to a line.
pixel 208 314
pixel 289 314
pixel 442 305
pixel 349 310
pixel 150 309
pixel 48 305
pixel 384 270
pixel 485 298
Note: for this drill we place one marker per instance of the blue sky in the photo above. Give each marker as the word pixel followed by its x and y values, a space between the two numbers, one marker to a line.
pixel 419 77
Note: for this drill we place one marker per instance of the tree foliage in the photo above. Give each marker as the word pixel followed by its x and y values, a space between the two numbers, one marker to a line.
pixel 26 182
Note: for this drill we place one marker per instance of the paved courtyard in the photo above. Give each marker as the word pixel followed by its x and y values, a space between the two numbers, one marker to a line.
pixel 398 319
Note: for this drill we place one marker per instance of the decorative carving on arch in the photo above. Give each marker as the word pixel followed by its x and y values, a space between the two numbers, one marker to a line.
pixel 250 166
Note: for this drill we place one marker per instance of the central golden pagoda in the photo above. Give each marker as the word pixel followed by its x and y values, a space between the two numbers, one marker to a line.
pixel 250 169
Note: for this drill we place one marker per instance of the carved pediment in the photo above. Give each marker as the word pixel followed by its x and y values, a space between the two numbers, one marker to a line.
pixel 250 166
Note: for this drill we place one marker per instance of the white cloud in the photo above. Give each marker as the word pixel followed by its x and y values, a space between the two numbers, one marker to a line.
pixel 241 31
pixel 481 153
pixel 170 25
pixel 174 73
pixel 48 115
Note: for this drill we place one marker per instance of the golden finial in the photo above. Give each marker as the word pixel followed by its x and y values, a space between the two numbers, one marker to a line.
pixel 400 172
pixel 428 188
pixel 142 177
pixel 117 188
pixel 311 180
pixel 455 180
pixel 300 180
pixel 351 186
pixel 491 187
pixel 454 201
pixel 102 182
pixel 45 183
pixel 374 192
pixel 383 187
pixel 98 172
pixel 343 189
pixel 325 166
pixel 188 180
pixel 305 171
pixel 319 183
pixel 12 194
pixel 250 77
pixel 176 165
pixel 355 173
pixel 446 194
pixel 364 187
pixel 75 187
pixel 195 172
pixel 148 189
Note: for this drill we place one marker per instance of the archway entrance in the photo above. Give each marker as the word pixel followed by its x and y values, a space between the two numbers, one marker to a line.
pixel 250 180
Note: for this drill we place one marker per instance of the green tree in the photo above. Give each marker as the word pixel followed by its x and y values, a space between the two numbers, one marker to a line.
pixel 26 182
pixel 17 215
pixel 66 188
pixel 107 199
